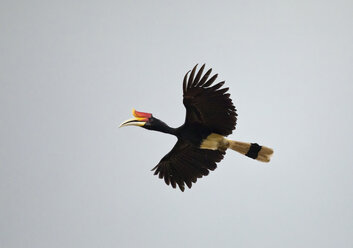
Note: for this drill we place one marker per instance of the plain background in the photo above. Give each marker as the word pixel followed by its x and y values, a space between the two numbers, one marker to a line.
pixel 72 71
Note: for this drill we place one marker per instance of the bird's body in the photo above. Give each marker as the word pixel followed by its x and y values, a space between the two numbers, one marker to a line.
pixel 210 117
pixel 192 134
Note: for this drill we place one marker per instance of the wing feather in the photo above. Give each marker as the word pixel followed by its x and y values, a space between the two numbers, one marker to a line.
pixel 204 78
pixel 198 75
pixel 209 107
pixel 191 77
pixel 184 164
pixel 207 104
pixel 185 84
pixel 210 81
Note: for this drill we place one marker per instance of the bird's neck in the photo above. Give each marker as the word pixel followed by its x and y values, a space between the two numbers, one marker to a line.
pixel 160 126
pixel 164 128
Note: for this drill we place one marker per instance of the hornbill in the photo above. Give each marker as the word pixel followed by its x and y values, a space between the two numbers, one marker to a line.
pixel 210 117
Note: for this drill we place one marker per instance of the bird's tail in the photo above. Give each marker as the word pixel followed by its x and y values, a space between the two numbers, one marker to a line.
pixel 251 150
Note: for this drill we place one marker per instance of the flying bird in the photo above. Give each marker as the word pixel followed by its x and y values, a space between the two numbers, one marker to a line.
pixel 202 142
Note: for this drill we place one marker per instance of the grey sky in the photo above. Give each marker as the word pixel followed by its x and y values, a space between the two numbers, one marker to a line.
pixel 71 72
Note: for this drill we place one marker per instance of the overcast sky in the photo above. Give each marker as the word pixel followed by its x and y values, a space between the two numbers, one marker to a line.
pixel 71 72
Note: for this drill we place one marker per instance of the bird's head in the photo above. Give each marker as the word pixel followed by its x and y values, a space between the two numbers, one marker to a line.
pixel 141 119
pixel 146 120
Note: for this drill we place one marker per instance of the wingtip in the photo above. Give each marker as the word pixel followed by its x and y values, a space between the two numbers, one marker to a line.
pixel 185 84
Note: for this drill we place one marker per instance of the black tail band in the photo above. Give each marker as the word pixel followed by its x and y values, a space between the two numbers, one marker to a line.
pixel 253 150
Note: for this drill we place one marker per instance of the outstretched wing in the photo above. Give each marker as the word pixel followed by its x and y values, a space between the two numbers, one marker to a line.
pixel 185 163
pixel 207 104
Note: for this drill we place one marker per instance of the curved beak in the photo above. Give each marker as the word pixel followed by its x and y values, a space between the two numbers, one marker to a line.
pixel 139 120
pixel 134 122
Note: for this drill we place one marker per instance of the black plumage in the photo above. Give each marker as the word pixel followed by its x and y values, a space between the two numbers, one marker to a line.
pixel 210 117
pixel 209 109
